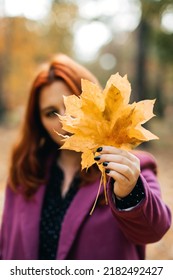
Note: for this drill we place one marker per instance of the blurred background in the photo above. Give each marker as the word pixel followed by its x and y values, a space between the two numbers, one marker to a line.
pixel 133 37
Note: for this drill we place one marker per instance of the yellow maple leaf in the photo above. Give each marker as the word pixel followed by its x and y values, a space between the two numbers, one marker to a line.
pixel 98 118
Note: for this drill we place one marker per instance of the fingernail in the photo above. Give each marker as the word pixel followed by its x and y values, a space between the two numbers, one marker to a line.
pixel 97 158
pixel 99 149
pixel 105 163
pixel 107 171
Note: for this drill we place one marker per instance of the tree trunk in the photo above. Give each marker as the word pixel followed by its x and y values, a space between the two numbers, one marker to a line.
pixel 141 77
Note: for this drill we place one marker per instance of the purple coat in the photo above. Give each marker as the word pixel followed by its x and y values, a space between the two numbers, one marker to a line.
pixel 107 234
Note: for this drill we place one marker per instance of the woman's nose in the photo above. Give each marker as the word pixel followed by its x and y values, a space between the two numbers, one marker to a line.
pixel 62 112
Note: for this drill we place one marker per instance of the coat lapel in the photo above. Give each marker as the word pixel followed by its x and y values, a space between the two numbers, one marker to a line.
pixel 79 209
pixel 30 222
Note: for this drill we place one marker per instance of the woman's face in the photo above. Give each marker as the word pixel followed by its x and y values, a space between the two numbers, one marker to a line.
pixel 51 102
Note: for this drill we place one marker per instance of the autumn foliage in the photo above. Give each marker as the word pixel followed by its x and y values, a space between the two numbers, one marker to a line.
pixel 105 117
pixel 98 118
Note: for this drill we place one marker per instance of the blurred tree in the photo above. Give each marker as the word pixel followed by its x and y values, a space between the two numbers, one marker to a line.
pixel 164 43
pixel 2 102
pixel 2 66
pixel 5 58
pixel 2 105
pixel 25 44
pixel 150 24
pixel 20 47
pixel 61 19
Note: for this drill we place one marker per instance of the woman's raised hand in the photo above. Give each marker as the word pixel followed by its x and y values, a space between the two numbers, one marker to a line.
pixel 122 166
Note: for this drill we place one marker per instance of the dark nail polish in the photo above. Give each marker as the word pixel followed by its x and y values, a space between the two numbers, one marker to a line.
pixel 107 171
pixel 97 158
pixel 105 163
pixel 99 149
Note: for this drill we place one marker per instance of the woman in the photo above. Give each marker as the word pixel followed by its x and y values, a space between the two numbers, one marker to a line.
pixel 48 198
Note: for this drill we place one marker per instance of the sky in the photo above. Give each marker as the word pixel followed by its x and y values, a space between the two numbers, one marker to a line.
pixel 126 11
pixel 97 33
pixel 33 9
pixel 122 15
pixel 125 16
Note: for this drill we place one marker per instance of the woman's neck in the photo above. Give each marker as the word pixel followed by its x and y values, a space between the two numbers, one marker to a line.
pixel 69 160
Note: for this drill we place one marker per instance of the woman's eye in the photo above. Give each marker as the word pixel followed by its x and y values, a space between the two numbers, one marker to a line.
pixel 52 114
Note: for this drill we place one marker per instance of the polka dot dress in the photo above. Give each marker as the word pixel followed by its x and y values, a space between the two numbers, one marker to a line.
pixel 53 211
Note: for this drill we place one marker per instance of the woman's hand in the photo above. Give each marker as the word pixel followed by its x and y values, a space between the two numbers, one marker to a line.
pixel 122 166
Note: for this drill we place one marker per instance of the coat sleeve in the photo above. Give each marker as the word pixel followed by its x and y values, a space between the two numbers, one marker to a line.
pixel 150 219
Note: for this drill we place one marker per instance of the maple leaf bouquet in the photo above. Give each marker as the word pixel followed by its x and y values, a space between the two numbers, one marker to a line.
pixel 104 117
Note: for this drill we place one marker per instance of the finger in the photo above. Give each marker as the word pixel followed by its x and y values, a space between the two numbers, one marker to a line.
pixel 114 150
pixel 121 164
pixel 119 178
pixel 115 158
pixel 123 170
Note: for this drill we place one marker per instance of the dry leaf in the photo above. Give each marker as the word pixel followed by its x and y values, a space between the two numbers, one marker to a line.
pixel 98 118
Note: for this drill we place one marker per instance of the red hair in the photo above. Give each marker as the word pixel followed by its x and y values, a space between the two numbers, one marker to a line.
pixel 29 161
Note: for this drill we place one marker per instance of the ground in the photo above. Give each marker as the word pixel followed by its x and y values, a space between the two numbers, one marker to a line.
pixel 162 150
